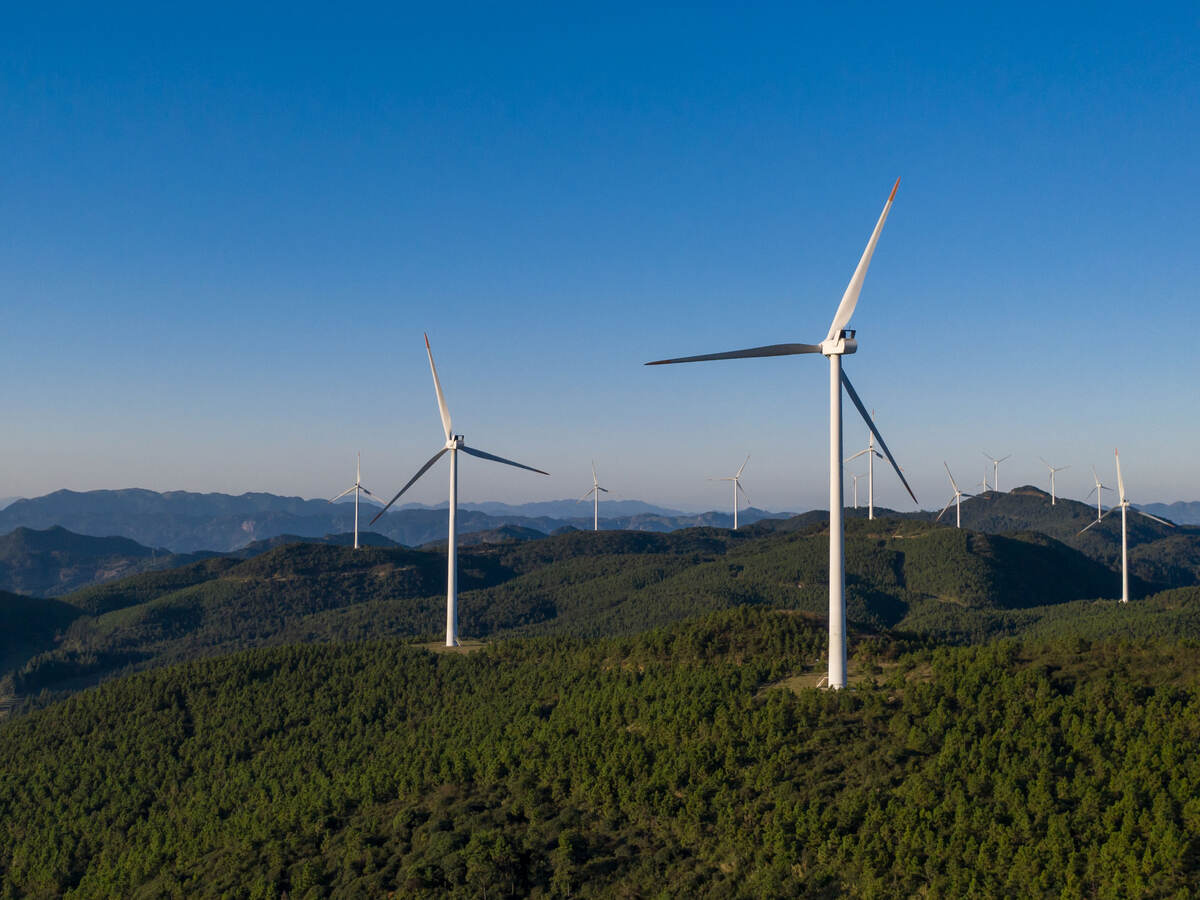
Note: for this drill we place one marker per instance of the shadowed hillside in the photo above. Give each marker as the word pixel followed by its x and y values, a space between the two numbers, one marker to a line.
pixel 56 561
pixel 903 573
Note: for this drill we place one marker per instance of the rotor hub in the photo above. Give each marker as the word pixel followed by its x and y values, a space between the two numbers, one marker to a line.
pixel 843 345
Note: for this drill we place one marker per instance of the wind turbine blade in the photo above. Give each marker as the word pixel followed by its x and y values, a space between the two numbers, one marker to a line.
pixel 1106 512
pixel 739 471
pixel 437 386
pixel 875 431
pixel 593 471
pixel 952 484
pixel 411 481
pixel 601 489
pixel 365 491
pixel 850 298
pixel 342 494
pixel 1046 464
pixel 943 512
pixel 856 455
pixel 1120 480
pixel 1155 518
pixel 1089 493
pixel 988 456
pixel 742 491
pixel 585 496
pixel 500 459
pixel 772 350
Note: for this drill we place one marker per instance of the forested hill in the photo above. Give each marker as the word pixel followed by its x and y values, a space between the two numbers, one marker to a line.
pixel 907 574
pixel 56 561
pixel 692 761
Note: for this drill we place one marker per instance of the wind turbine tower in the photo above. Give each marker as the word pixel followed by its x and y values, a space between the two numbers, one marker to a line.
pixel 871 453
pixel 594 493
pixel 838 342
pixel 1125 505
pixel 454 444
pixel 1097 490
pixel 996 469
pixel 356 487
pixel 737 486
pixel 956 500
pixel 1052 469
pixel 855 476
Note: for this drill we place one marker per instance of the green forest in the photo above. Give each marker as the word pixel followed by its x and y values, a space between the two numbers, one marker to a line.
pixel 635 715
pixel 687 760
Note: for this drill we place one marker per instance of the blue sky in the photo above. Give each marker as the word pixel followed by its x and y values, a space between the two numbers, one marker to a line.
pixel 225 235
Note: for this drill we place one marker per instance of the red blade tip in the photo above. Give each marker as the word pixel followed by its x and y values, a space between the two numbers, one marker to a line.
pixel 894 187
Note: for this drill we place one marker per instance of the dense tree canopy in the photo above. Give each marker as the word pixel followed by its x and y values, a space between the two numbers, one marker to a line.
pixel 689 760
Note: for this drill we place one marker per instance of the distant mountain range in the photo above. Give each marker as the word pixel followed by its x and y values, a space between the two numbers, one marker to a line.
pixel 1181 511
pixel 186 522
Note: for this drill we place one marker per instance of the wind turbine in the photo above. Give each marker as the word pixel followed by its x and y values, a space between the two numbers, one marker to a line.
pixel 595 494
pixel 956 500
pixel 1052 469
pixel 856 476
pixel 995 469
pixel 838 342
pixel 454 443
pixel 1124 505
pixel 737 485
pixel 356 487
pixel 871 453
pixel 983 484
pixel 1097 490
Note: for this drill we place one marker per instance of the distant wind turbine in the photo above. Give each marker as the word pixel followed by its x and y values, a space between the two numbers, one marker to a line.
pixel 737 485
pixel 838 342
pixel 871 453
pixel 956 500
pixel 356 487
pixel 996 469
pixel 1097 490
pixel 983 485
pixel 1052 469
pixel 856 476
pixel 1125 505
pixel 454 443
pixel 595 494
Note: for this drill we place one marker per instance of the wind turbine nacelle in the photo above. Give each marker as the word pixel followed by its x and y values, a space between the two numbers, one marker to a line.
pixel 839 346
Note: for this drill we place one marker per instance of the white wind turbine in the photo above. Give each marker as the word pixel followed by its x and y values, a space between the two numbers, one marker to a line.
pixel 737 485
pixel 595 494
pixel 995 469
pixel 855 476
pixel 956 500
pixel 1097 490
pixel 983 485
pixel 454 443
pixel 356 487
pixel 837 343
pixel 1124 505
pixel 870 453
pixel 1053 469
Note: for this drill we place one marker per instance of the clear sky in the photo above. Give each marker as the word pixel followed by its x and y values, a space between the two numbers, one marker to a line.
pixel 226 232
